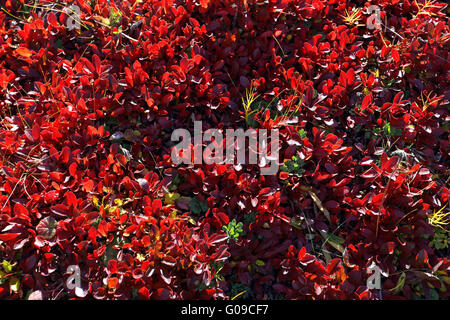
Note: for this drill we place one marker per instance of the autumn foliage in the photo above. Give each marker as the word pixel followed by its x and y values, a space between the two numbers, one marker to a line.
pixel 86 177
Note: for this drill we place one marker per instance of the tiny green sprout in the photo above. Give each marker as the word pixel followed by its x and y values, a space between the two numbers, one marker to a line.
pixel 115 18
pixel 391 132
pixel 234 230
pixel 302 133
pixel 294 166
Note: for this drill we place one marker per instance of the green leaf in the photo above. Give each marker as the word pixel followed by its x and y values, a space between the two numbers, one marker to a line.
pixel 434 295
pixel 97 222
pixel 195 206
pixel 260 263
pixel 198 207
pixel 204 206
pixel 59 44
pixel 302 133
pixel 233 230
pixel 7 266
pixel 335 239
pixel 400 284
pixel 110 254
pixel 296 222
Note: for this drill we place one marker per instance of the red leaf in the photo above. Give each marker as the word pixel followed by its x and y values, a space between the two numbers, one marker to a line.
pixel 369 174
pixel 166 4
pixel 169 261
pixel 88 185
pixel 156 206
pixel 284 175
pixel 129 77
pixel 51 19
pixel 204 3
pixel 422 258
pixel 92 131
pixel 24 52
pixel 113 282
pixel 59 210
pixel 9 236
pixel 332 267
pixel 20 210
pixel 36 132
pixel 222 217
pixel 65 154
pixel 54 155
pixel 131 229
pixel 56 176
pixel 390 247
pixel 73 169
pixel 71 199
pixel 144 293
pixel 92 234
pixel 398 97
pixel 366 102
pixel 390 164
pixel 350 77
pixel 384 52
pixel 395 55
pixel 97 64
pixel 103 228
